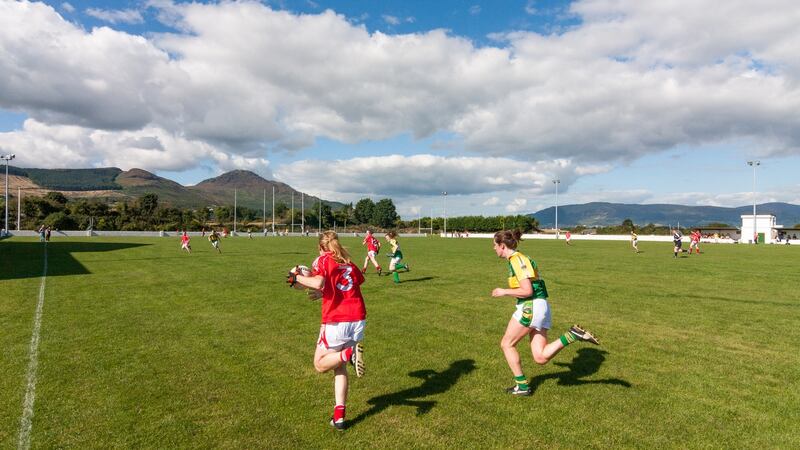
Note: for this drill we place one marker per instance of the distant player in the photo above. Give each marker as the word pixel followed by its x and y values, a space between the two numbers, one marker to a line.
pixel 694 243
pixel 249 234
pixel 185 242
pixel 213 237
pixel 373 247
pixel 532 316
pixel 568 237
pixel 676 240
pixel 635 241
pixel 343 317
pixel 397 256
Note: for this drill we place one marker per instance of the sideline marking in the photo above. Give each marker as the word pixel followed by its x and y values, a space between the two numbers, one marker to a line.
pixel 26 423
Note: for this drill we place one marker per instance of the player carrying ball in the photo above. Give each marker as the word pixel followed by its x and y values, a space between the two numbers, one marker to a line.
pixel 337 281
pixel 532 317
pixel 214 239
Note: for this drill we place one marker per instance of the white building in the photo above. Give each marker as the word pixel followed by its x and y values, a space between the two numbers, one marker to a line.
pixel 765 224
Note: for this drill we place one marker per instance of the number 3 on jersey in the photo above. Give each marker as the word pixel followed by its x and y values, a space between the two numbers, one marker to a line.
pixel 347 283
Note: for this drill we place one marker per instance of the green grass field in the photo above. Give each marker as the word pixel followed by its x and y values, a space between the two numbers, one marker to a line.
pixel 144 346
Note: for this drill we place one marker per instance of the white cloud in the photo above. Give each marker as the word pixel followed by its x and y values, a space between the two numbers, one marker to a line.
pixel 474 10
pixel 492 201
pixel 67 7
pixel 530 8
pixel 391 20
pixel 632 79
pixel 517 205
pixel 130 16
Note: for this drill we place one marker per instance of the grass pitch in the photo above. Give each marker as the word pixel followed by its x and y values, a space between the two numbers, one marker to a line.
pixel 144 346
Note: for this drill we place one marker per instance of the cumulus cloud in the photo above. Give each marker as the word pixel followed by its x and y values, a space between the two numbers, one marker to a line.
pixel 66 6
pixel 517 205
pixel 69 146
pixel 114 16
pixel 420 175
pixel 631 79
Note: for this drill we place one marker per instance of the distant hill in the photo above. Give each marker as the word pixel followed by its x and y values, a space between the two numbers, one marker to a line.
pixel 250 191
pixel 114 184
pixel 137 182
pixel 604 214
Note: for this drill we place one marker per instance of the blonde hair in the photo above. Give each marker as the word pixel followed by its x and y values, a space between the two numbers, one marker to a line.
pixel 329 242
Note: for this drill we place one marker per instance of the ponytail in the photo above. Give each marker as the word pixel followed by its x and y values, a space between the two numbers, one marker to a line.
pixel 510 238
pixel 329 242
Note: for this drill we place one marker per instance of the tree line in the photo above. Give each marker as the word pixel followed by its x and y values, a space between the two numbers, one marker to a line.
pixel 146 213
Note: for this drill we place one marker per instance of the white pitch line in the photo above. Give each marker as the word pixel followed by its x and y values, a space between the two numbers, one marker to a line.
pixel 26 423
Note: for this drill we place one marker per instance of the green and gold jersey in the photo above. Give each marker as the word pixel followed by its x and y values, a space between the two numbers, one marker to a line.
pixel 393 243
pixel 213 237
pixel 521 267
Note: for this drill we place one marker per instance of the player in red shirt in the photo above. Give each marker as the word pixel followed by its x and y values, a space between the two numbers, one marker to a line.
pixel 373 246
pixel 695 242
pixel 185 242
pixel 337 280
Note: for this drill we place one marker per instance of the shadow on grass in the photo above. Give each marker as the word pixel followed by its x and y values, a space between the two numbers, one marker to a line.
pixel 433 383
pixel 26 259
pixel 587 362
pixel 415 280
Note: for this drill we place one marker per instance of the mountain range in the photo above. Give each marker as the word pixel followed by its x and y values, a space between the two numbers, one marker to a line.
pixel 112 183
pixel 605 214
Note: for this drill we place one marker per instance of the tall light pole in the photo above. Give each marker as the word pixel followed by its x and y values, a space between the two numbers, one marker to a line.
pixel 6 158
pixel 445 213
pixel 754 164
pixel 556 182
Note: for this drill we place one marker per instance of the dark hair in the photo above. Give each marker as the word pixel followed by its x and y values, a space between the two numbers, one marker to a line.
pixel 391 235
pixel 510 238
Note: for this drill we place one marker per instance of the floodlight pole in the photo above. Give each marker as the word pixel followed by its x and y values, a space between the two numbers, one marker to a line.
pixel 19 206
pixel 302 213
pixel 234 212
pixel 556 182
pixel 264 210
pixel 7 158
pixel 292 211
pixel 273 210
pixel 320 216
pixel 445 213
pixel 754 164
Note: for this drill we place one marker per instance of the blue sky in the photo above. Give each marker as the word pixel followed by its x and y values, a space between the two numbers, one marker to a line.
pixel 626 101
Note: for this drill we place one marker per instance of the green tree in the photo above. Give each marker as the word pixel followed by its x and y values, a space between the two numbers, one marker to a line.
pixel 384 213
pixel 56 198
pixel 627 224
pixel 60 221
pixel 363 210
pixel 148 203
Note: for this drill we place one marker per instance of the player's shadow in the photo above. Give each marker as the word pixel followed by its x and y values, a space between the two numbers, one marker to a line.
pixel 416 280
pixel 433 383
pixel 587 362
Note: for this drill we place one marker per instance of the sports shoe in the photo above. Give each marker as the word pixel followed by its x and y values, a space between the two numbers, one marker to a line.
pixel 583 335
pixel 339 424
pixel 408 267
pixel 357 360
pixel 515 390
pixel 379 271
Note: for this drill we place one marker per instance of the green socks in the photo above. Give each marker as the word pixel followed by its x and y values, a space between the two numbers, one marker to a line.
pixel 396 277
pixel 522 383
pixel 567 338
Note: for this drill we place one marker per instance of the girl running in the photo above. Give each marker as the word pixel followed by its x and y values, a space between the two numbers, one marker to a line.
pixel 185 243
pixel 337 281
pixel 532 317
pixel 373 246
pixel 213 237
pixel 396 256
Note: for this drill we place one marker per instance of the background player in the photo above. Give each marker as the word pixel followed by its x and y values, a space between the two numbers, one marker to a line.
pixel 343 316
pixel 213 237
pixel 676 241
pixel 694 241
pixel 185 242
pixel 373 247
pixel 396 256
pixel 532 317
pixel 635 241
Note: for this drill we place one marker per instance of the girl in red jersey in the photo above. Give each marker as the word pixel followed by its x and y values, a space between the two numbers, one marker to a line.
pixel 185 242
pixel 336 279
pixel 373 246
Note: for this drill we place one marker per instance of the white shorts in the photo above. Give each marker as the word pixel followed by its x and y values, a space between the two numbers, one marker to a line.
pixel 533 314
pixel 215 243
pixel 340 335
pixel 185 245
pixel 371 254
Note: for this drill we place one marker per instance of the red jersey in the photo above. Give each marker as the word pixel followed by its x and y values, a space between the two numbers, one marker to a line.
pixel 371 243
pixel 184 239
pixel 341 295
pixel 695 237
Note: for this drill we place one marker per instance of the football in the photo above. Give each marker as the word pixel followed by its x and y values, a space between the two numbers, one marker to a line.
pixel 299 270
